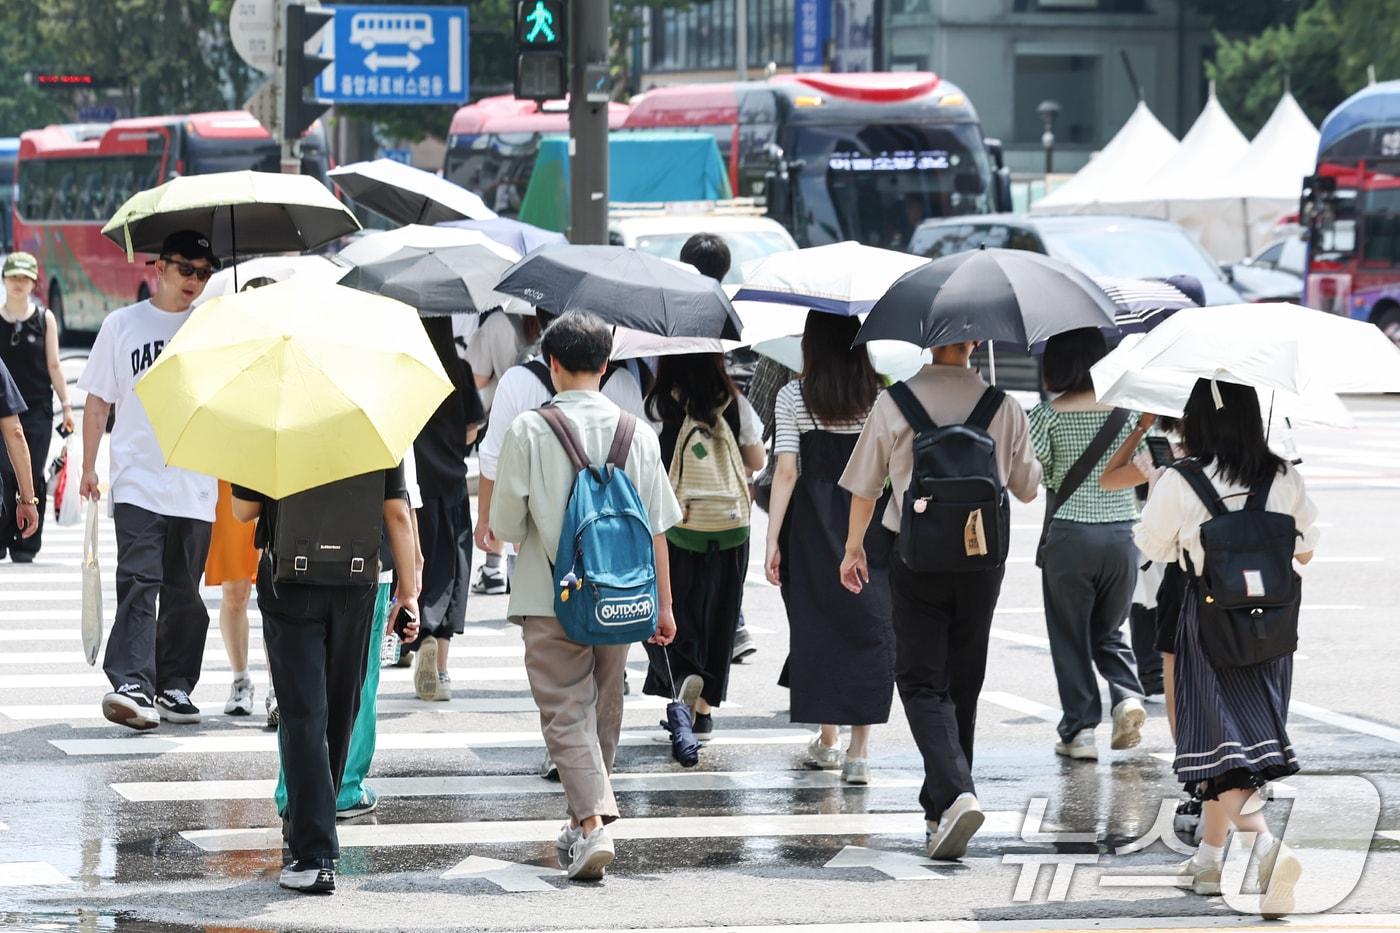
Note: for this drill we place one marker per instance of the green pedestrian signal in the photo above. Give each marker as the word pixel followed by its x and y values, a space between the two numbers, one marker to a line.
pixel 541 37
pixel 541 22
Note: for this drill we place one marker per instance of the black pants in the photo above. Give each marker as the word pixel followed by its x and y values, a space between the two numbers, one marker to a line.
pixel 37 423
pixel 317 638
pixel 445 528
pixel 941 626
pixel 1142 626
pixel 158 556
pixel 706 589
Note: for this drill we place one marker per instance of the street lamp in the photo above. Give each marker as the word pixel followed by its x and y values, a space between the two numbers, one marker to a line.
pixel 1048 111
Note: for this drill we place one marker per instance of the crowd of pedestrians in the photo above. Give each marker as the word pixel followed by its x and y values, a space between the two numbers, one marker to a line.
pixel 888 532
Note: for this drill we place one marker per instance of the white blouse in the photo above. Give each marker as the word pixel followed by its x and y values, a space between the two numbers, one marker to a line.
pixel 1170 526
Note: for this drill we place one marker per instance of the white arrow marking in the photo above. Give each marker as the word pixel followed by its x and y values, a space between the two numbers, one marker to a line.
pixel 508 876
pixel 897 865
pixel 374 61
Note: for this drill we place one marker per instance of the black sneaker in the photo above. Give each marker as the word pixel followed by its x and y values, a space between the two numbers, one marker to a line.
pixel 22 557
pixel 129 706
pixel 175 706
pixel 703 727
pixel 309 876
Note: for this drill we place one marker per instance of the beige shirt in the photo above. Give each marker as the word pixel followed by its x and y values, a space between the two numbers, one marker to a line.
pixel 948 394
pixel 534 478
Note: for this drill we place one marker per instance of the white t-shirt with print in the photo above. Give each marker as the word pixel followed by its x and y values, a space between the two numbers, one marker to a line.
pixel 128 344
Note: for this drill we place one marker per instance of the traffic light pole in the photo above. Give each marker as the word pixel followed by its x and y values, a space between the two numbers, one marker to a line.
pixel 589 87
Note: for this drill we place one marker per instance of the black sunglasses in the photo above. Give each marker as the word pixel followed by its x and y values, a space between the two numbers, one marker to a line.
pixel 203 273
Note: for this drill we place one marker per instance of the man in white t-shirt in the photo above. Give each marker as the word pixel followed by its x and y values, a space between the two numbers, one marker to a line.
pixel 163 514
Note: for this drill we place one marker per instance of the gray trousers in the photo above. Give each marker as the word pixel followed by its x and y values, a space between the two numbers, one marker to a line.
pixel 158 556
pixel 1088 579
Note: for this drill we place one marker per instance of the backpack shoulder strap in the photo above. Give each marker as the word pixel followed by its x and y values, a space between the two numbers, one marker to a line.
pixel 541 371
pixel 1258 500
pixel 911 408
pixel 987 407
pixel 564 430
pixel 622 440
pixel 1205 490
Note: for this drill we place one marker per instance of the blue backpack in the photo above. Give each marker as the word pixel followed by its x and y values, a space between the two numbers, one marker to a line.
pixel 605 563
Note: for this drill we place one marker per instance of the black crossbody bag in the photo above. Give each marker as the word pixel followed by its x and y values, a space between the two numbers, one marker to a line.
pixel 1078 474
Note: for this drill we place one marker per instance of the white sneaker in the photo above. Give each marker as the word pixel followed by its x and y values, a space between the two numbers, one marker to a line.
pixel 824 756
pixel 240 698
pixel 1201 877
pixel 567 837
pixel 548 769
pixel 1080 747
pixel 590 856
pixel 856 771
pixel 425 669
pixel 1128 717
pixel 955 829
pixel 1279 871
pixel 273 716
pixel 131 708
pixel 444 687
pixel 491 581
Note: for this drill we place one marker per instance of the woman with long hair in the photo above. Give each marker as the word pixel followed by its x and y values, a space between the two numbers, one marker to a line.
pixel 840 665
pixel 1089 563
pixel 1231 735
pixel 724 445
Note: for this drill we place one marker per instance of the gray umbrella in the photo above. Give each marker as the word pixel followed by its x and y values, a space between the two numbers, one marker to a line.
pixel 991 294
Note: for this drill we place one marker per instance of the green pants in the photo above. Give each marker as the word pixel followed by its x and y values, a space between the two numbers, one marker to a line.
pixel 363 737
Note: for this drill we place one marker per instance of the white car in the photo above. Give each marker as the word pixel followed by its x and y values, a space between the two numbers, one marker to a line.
pixel 749 236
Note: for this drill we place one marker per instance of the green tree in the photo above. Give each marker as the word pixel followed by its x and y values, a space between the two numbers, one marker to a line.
pixel 1305 56
pixel 1249 16
pixel 24 106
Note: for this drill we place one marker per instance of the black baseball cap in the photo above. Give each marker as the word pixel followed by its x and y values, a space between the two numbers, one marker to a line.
pixel 192 245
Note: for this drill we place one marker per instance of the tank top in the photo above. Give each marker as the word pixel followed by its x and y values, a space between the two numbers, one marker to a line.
pixel 23 353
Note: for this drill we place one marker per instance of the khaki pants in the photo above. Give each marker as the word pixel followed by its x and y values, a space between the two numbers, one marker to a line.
pixel 578 689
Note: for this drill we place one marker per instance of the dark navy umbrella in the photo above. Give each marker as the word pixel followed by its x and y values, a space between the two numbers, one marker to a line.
pixel 1006 295
pixel 1144 303
pixel 685 748
pixel 518 235
pixel 623 287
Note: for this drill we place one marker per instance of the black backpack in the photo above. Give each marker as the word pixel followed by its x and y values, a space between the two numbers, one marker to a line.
pixel 329 535
pixel 956 516
pixel 1249 592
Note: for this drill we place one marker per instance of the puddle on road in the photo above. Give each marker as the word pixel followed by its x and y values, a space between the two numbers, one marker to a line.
pixel 86 921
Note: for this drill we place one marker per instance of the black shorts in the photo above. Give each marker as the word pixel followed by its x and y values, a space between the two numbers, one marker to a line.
pixel 1170 595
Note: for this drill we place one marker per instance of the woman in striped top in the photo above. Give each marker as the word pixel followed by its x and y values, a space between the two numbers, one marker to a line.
pixel 840 665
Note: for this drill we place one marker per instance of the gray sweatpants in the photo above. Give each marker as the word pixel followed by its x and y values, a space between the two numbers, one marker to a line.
pixel 1088 580
pixel 158 556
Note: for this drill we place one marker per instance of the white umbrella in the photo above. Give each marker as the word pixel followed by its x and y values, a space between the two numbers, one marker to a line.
pixel 408 195
pixel 1304 358
pixel 841 278
pixel 277 268
pixel 491 258
pixel 893 358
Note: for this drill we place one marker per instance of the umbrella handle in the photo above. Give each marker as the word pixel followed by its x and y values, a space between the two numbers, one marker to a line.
pixel 666 654
pixel 130 253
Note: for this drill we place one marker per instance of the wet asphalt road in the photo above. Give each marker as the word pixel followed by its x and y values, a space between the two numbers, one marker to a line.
pixel 101 829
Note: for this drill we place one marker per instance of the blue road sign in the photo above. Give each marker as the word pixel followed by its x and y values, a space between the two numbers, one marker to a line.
pixel 397 55
pixel 398 155
pixel 811 23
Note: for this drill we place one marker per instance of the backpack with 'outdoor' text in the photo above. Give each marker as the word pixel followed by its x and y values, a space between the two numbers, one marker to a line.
pixel 329 535
pixel 956 516
pixel 605 564
pixel 711 485
pixel 1249 591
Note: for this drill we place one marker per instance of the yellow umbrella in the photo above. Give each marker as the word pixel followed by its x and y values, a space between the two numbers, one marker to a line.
pixel 290 386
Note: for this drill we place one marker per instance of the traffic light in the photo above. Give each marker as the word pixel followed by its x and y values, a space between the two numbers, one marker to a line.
pixel 541 44
pixel 301 67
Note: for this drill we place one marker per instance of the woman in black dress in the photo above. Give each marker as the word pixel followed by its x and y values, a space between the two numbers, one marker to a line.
pixel 841 660
pixel 1231 723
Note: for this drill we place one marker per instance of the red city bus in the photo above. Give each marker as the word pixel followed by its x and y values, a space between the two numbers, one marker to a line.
pixel 491 145
pixel 70 180
pixel 857 156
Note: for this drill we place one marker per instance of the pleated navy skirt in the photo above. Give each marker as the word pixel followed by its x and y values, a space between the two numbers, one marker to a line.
pixel 1231 724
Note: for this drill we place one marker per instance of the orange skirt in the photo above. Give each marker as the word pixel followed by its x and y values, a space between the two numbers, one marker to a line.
pixel 231 552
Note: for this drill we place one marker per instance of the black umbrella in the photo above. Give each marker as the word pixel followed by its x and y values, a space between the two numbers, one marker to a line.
pixel 623 287
pixel 990 294
pixel 436 281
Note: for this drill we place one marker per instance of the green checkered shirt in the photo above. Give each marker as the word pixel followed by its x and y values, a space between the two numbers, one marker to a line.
pixel 1059 438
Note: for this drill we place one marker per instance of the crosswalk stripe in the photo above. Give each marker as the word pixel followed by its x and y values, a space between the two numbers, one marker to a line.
pixel 30 874
pixel 392 676
pixel 999 822
pixel 40 635
pixel 483 785
pixel 216 655
pixel 166 744
pixel 1021 705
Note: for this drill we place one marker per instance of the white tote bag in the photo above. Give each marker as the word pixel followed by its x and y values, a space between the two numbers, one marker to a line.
pixel 92 587
pixel 68 510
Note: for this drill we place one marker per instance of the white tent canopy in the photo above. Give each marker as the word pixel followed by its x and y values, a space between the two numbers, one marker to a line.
pixel 1137 150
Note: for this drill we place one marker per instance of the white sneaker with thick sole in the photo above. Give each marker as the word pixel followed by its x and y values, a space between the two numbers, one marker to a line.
pixel 590 856
pixel 568 835
pixel 823 756
pixel 956 828
pixel 1081 747
pixel 856 771
pixel 1201 877
pixel 444 687
pixel 1128 718
pixel 1279 872
pixel 240 698
pixel 425 669
pixel 130 708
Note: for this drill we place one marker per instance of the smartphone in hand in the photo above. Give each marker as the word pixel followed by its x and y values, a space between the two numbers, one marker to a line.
pixel 1161 450
pixel 401 624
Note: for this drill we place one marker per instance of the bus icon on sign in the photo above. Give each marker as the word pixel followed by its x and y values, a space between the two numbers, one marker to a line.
pixel 368 30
